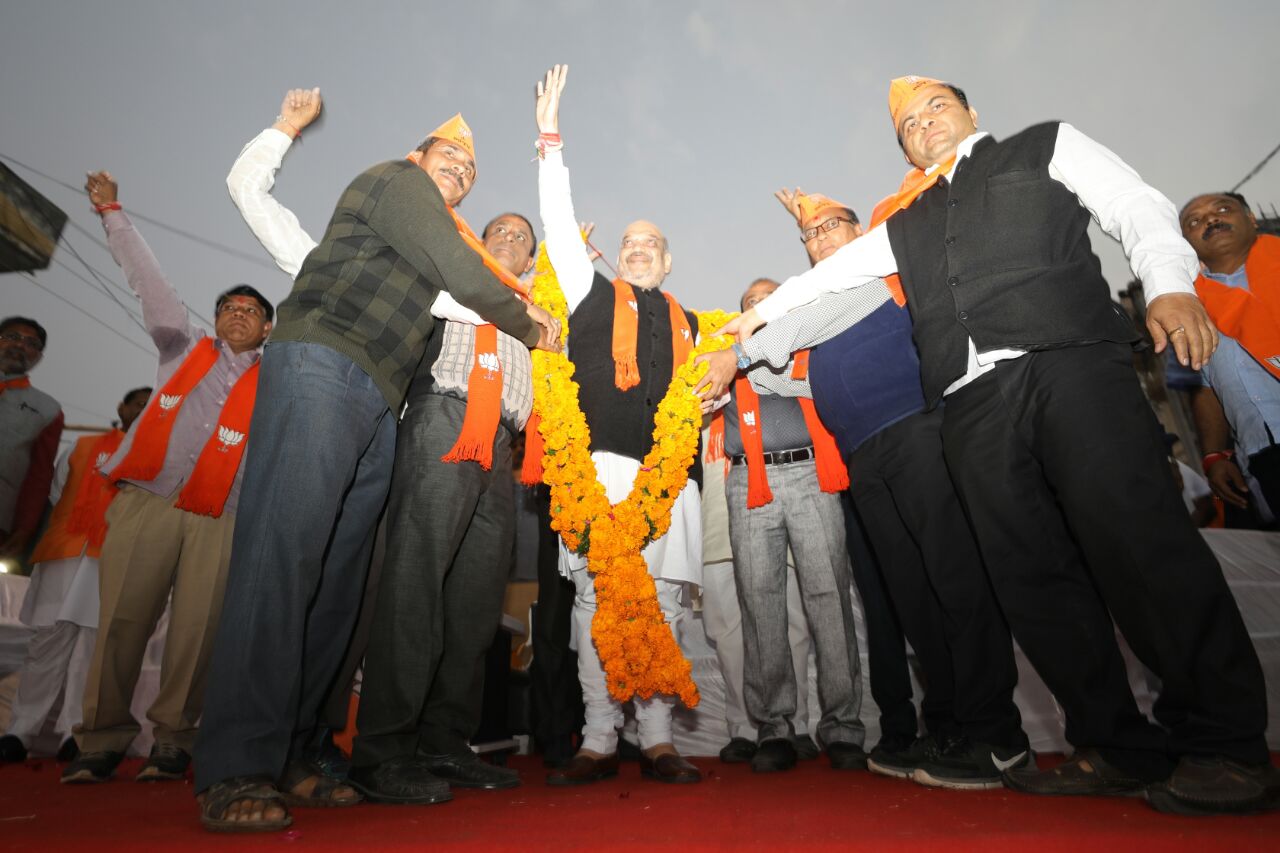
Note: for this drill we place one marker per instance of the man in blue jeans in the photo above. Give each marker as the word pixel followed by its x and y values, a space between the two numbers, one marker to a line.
pixel 348 340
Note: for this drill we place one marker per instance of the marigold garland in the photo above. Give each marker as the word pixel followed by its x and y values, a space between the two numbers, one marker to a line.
pixel 637 650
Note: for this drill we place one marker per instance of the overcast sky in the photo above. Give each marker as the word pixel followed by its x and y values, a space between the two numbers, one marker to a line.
pixel 687 113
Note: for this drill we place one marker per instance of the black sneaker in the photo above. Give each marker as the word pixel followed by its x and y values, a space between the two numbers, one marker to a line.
pixel 12 750
pixel 961 764
pixel 898 757
pixel 166 763
pixel 69 751
pixel 92 767
pixel 470 771
pixel 738 750
pixel 806 749
pixel 846 756
pixel 774 755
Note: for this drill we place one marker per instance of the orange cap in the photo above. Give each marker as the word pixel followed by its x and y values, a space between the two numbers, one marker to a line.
pixel 902 90
pixel 811 204
pixel 456 131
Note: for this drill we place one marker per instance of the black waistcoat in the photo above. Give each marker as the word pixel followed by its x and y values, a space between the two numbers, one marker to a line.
pixel 1001 254
pixel 622 421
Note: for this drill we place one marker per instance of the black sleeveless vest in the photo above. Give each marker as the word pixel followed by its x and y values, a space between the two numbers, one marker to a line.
pixel 622 421
pixel 1001 254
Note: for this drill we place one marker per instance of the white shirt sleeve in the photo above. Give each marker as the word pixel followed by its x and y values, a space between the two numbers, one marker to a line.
pixel 1131 211
pixel 867 259
pixel 565 247
pixel 250 181
pixel 61 471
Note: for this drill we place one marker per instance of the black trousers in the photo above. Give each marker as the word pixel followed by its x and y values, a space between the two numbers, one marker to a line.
pixel 889 672
pixel 449 533
pixel 1063 471
pixel 1264 466
pixel 555 695
pixel 939 587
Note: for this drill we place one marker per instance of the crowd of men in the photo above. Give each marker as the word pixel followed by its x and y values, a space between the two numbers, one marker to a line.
pixel 924 416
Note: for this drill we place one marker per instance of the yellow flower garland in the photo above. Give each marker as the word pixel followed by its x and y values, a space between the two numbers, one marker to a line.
pixel 637 649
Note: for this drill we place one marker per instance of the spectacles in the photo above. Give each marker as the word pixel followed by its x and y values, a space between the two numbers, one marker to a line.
pixel 239 307
pixel 28 341
pixel 830 225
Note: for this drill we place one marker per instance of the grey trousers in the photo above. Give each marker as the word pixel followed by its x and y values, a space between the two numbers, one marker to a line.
pixel 812 523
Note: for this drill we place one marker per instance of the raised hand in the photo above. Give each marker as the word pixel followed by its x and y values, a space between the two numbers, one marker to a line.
pixel 101 187
pixel 299 108
pixel 548 107
pixel 790 200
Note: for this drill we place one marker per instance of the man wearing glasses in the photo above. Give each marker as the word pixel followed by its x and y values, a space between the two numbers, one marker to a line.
pixel 169 529
pixel 30 427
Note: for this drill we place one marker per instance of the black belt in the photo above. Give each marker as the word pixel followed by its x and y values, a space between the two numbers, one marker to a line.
pixel 778 457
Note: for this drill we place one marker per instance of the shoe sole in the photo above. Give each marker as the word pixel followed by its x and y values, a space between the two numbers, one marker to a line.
pixel 780 769
pixel 388 799
pixel 152 774
pixel 84 778
pixel 890 771
pixel 923 777
pixel 587 780
pixel 1160 798
pixel 670 780
pixel 481 786
pixel 238 827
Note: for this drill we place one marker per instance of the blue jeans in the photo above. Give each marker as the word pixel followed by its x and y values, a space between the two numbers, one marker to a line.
pixel 316 476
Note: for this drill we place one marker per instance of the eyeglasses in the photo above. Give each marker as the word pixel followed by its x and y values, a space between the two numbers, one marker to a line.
pixel 830 225
pixel 29 341
pixel 239 307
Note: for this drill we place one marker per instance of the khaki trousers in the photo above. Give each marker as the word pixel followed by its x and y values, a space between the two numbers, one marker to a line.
pixel 152 548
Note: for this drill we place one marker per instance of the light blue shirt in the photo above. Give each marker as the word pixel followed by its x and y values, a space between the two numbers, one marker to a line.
pixel 1250 395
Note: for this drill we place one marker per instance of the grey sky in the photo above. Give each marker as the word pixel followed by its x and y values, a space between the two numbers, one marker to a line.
pixel 687 113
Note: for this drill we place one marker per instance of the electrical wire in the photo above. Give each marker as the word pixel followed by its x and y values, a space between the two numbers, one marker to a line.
pixel 95 319
pixel 1256 169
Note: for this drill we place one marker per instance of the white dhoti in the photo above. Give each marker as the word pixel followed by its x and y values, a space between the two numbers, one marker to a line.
pixel 674 559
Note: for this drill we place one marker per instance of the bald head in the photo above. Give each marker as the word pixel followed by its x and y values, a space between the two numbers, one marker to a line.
pixel 643 259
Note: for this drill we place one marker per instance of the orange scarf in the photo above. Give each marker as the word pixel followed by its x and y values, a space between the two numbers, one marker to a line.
pixel 484 384
pixel 1250 316
pixel 20 382
pixel 832 475
pixel 95 492
pixel 215 470
pixel 626 322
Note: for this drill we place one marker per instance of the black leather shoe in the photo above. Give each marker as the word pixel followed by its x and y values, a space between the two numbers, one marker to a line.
pixel 669 767
pixel 92 767
pixel 1085 774
pixel 846 756
pixel 470 771
pixel 166 763
pixel 69 751
pixel 774 755
pixel 12 749
pixel 585 769
pixel 737 751
pixel 402 781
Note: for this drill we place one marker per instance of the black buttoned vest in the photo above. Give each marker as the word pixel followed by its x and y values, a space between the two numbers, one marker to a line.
pixel 1001 254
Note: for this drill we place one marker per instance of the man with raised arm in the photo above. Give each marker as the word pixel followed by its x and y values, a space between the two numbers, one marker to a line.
pixel 350 338
pixel 450 518
pixel 629 337
pixel 168 539
pixel 1053 448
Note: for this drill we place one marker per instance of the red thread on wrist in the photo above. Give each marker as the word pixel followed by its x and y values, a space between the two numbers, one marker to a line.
pixel 1210 459
pixel 103 208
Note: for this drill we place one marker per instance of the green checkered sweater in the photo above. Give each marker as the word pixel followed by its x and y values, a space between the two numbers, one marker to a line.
pixel 366 290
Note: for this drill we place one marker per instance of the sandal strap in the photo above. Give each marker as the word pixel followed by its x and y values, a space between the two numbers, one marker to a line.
pixel 220 795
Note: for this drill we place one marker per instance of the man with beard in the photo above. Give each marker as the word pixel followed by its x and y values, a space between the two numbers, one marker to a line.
pixel 61 603
pixel 30 427
pixel 169 529
pixel 351 336
pixel 450 519
pixel 1238 401
pixel 628 339
pixel 1015 327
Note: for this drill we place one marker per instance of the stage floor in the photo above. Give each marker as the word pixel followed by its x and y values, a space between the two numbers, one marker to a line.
pixel 810 808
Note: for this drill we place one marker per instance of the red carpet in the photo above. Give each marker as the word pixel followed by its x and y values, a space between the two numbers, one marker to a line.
pixel 811 808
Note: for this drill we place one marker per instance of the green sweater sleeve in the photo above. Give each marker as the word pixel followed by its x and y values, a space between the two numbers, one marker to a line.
pixel 411 217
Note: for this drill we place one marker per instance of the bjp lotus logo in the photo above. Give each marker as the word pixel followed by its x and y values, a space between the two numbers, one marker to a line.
pixel 102 460
pixel 489 361
pixel 749 418
pixel 168 402
pixel 633 305
pixel 228 438
pixel 685 333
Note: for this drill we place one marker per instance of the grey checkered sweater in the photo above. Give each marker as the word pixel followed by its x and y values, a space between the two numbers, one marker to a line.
pixel 365 291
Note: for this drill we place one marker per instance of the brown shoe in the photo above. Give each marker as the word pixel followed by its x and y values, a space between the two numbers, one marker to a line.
pixel 669 767
pixel 1084 774
pixel 584 769
pixel 1205 785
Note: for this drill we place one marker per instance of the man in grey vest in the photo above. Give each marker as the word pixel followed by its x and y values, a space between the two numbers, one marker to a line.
pixel 1053 448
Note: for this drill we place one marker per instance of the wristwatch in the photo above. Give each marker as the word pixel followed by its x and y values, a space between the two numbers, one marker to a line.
pixel 744 360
